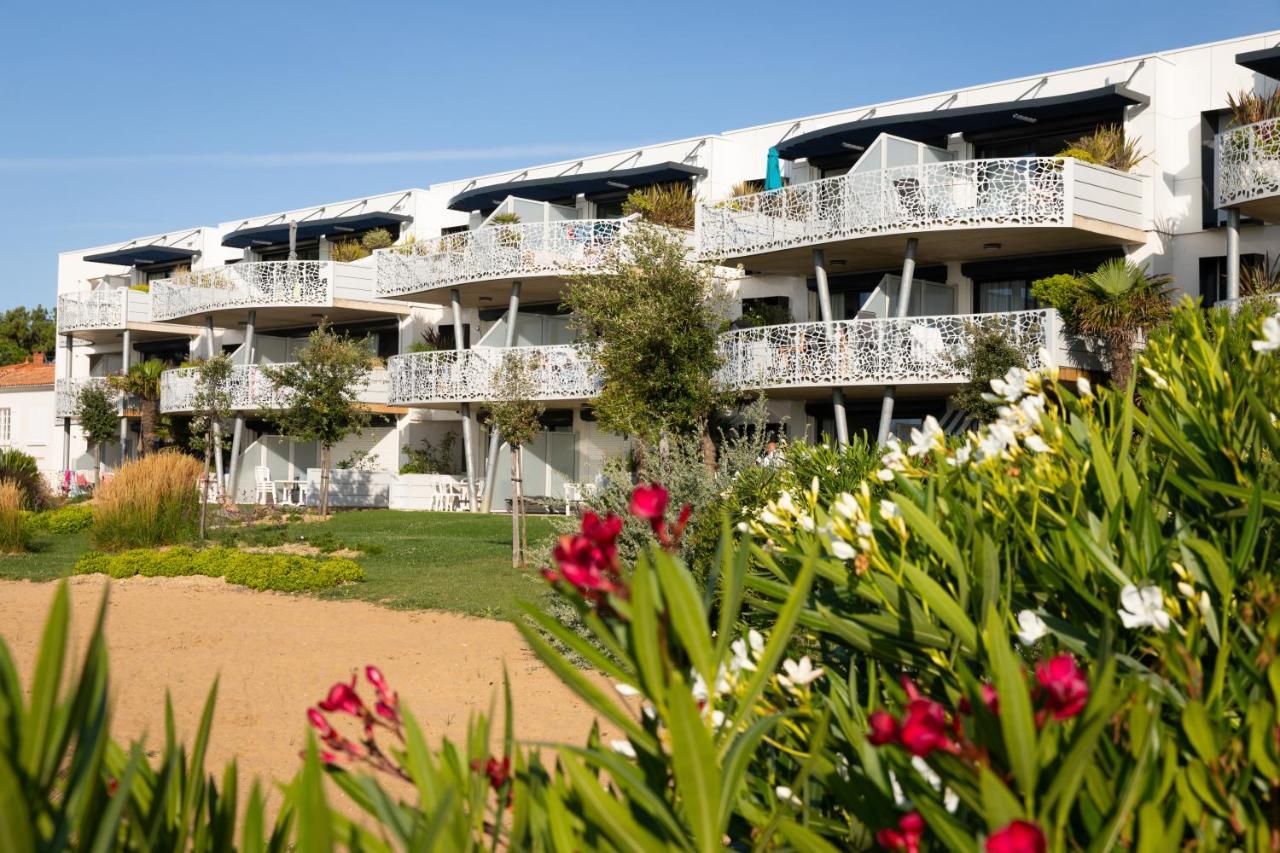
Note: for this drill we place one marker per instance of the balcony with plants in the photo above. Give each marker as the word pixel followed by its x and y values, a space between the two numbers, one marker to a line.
pixel 1085 197
pixel 1248 157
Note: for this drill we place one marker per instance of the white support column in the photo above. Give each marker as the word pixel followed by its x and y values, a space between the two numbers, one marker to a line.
pixel 66 422
pixel 455 300
pixel 824 308
pixel 1233 253
pixel 491 460
pixel 237 430
pixel 217 427
pixel 904 301
pixel 126 357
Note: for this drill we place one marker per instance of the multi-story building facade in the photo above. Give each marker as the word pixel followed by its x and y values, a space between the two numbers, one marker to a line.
pixel 958 199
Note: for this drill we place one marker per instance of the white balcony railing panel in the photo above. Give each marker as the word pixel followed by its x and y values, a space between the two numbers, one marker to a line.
pixel 251 390
pixel 92 309
pixel 500 251
pixel 560 372
pixel 256 284
pixel 1248 163
pixel 912 350
pixel 66 394
pixel 1015 192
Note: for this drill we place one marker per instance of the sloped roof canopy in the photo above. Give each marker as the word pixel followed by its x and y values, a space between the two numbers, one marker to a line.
pixel 567 186
pixel 934 125
pixel 1265 61
pixel 133 256
pixel 277 233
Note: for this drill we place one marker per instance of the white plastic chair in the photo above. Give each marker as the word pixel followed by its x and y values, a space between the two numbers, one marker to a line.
pixel 264 485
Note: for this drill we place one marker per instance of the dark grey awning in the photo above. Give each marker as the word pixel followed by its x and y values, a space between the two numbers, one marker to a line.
pixel 934 125
pixel 1265 61
pixel 567 186
pixel 133 256
pixel 278 233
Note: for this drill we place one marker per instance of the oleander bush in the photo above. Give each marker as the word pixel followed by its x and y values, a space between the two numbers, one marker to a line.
pixel 15 532
pixel 280 572
pixel 150 501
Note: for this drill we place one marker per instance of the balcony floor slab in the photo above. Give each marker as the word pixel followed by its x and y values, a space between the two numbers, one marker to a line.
pixel 294 316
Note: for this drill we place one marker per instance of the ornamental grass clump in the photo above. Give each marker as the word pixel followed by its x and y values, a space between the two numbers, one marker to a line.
pixel 151 501
pixel 15 534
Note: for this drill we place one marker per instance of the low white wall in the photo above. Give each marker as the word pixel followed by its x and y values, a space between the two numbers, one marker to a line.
pixel 367 489
pixel 416 491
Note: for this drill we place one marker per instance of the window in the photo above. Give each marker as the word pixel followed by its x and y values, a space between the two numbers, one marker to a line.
pixel 6 420
pixel 1006 295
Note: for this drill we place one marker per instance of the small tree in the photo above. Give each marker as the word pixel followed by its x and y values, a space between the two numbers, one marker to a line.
pixel 142 381
pixel 322 388
pixel 517 419
pixel 653 322
pixel 210 406
pixel 988 356
pixel 99 418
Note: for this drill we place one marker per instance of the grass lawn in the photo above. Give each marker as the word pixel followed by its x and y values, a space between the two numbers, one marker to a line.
pixel 424 560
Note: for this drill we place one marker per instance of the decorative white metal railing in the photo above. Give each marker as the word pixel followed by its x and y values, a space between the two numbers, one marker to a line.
pixel 92 309
pixel 250 389
pixel 1248 163
pixel 499 251
pixel 66 394
pixel 911 350
pixel 249 285
pixel 560 372
pixel 951 194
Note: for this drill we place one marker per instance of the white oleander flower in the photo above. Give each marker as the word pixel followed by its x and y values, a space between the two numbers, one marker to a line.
pixel 1083 387
pixel 786 795
pixel 1030 627
pixel 1013 386
pixel 841 549
pixel 797 675
pixel 623 748
pixel 924 440
pixel 847 506
pixel 889 509
pixel 1143 608
pixel 626 690
pixel 1036 444
pixel 1270 335
pixel 745 651
pixel 962 455
pixel 1157 380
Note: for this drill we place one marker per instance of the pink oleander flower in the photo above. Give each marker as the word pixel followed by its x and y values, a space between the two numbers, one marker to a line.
pixel 989 698
pixel 649 503
pixel 1018 837
pixel 320 724
pixel 924 725
pixel 882 728
pixel 1063 689
pixel 343 697
pixel 906 837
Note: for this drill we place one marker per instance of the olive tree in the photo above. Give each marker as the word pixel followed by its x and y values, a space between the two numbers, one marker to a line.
pixel 211 405
pixel 99 417
pixel 517 419
pixel 322 389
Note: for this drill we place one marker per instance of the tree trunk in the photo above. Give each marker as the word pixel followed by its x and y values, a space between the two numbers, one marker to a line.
pixel 1120 348
pixel 515 507
pixel 204 496
pixel 97 464
pixel 324 480
pixel 708 449
pixel 147 416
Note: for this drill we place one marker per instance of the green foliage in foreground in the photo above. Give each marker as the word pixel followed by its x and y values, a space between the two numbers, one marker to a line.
pixel 281 572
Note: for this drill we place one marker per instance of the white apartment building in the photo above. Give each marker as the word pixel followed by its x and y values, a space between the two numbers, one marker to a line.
pixel 958 195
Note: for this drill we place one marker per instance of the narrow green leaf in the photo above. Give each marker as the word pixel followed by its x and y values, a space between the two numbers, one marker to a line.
pixel 1016 721
pixel 941 602
pixel 687 616
pixel 608 815
pixel 693 759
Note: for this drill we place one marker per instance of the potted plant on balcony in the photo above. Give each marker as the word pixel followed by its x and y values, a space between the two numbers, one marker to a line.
pixel 1106 146
pixel 669 205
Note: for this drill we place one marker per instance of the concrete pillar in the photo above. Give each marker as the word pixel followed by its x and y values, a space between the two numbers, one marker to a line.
pixel 1233 253
pixel 217 427
pixel 126 358
pixel 904 301
pixel 237 431
pixel 491 460
pixel 824 308
pixel 455 300
pixel 66 422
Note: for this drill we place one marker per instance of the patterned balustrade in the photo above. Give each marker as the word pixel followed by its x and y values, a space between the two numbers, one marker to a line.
pixel 952 194
pixel 1248 163
pixel 257 284
pixel 92 309
pixel 250 389
pixel 461 376
pixel 912 350
pixel 498 252
pixel 66 394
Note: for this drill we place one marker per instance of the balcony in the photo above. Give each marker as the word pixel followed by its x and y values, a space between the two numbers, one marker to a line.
pixel 1248 170
pixel 100 315
pixel 875 352
pixel 291 291
pixel 66 394
pixel 251 390
pixel 958 209
pixel 447 377
pixel 495 256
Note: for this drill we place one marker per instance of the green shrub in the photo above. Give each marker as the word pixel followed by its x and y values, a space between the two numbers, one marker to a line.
pixel 281 572
pixel 989 355
pixel 376 238
pixel 23 470
pixel 68 518
pixel 1058 291
pixel 151 501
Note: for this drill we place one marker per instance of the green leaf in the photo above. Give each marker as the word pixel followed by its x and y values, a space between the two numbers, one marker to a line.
pixel 693 759
pixel 315 831
pixel 44 688
pixel 923 526
pixel 16 832
pixel 941 602
pixel 687 617
pixel 609 815
pixel 1000 807
pixel 1016 720
pixel 1199 729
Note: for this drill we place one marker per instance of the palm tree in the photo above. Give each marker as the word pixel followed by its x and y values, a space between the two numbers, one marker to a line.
pixel 142 381
pixel 1119 300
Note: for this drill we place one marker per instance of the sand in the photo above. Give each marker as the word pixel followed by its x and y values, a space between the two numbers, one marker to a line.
pixel 277 654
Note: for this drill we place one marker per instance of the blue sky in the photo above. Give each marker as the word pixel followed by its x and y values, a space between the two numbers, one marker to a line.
pixel 125 119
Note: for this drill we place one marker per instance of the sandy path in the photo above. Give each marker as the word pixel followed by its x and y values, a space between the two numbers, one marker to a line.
pixel 277 654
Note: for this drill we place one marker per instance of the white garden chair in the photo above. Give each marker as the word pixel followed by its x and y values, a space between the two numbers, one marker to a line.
pixel 263 485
